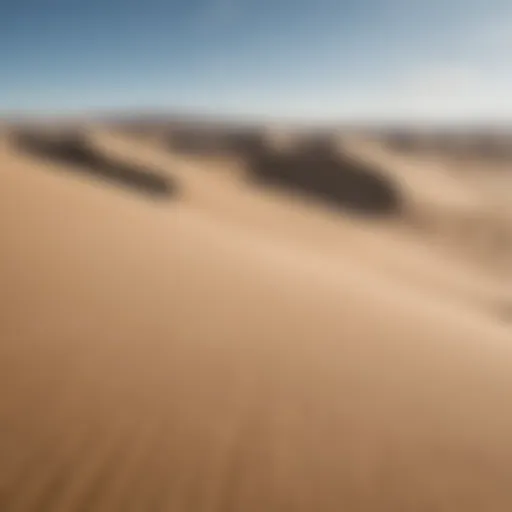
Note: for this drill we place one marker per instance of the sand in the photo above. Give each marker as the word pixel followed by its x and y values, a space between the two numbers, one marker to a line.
pixel 239 349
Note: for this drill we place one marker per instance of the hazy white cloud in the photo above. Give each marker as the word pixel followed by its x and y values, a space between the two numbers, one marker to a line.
pixel 475 84
pixel 433 92
pixel 448 92
pixel 445 92
pixel 439 79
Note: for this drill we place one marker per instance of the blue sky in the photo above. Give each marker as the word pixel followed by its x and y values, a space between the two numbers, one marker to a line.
pixel 317 59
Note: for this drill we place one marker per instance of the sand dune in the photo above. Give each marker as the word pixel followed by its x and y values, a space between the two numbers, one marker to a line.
pixel 76 152
pixel 387 247
pixel 235 348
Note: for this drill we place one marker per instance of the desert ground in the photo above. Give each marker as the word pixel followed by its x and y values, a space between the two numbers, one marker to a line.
pixel 253 330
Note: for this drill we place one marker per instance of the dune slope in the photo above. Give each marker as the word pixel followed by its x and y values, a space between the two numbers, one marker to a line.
pixel 159 357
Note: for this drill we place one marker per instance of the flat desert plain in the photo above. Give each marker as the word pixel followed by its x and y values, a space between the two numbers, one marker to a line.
pixel 227 346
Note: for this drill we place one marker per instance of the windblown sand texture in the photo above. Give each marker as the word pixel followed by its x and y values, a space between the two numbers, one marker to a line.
pixel 242 344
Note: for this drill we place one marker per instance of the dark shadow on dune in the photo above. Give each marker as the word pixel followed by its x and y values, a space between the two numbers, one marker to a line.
pixel 331 177
pixel 311 166
pixel 75 150
pixel 196 141
pixel 485 145
pixel 491 146
pixel 404 141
